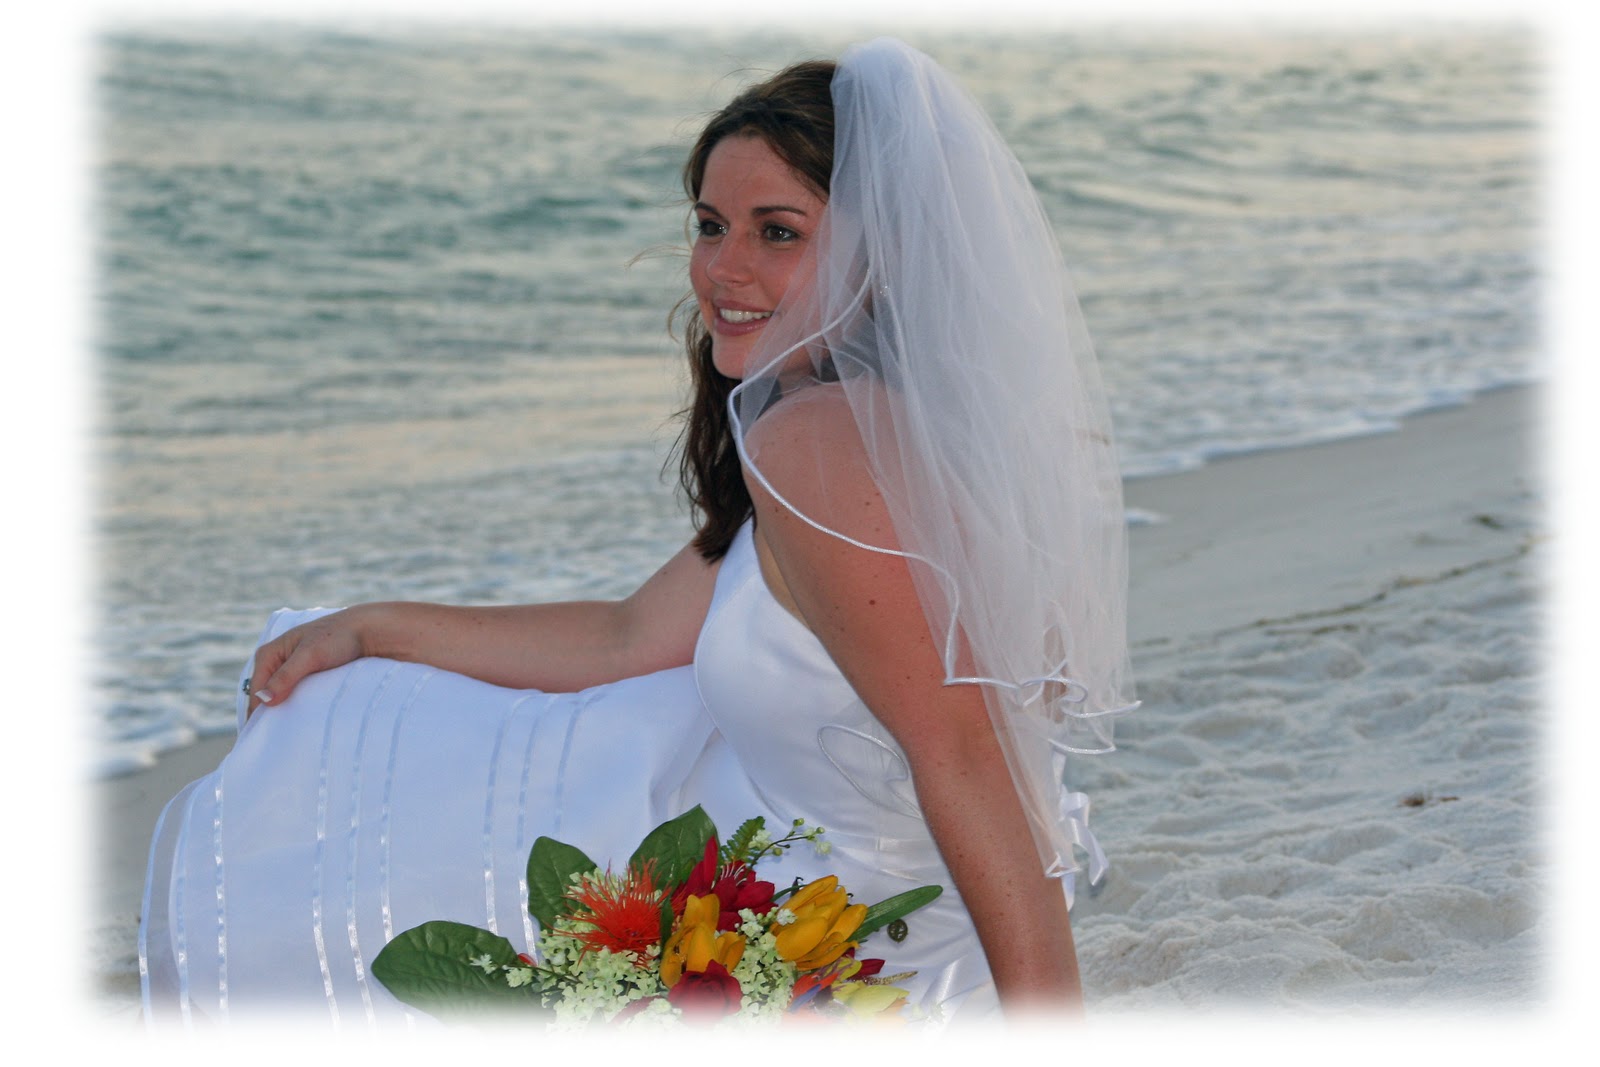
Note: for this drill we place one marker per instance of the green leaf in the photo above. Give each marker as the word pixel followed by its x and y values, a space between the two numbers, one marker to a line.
pixel 675 846
pixel 430 967
pixel 738 846
pixel 896 907
pixel 551 866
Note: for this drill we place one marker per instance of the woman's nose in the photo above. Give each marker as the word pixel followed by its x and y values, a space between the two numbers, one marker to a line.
pixel 730 262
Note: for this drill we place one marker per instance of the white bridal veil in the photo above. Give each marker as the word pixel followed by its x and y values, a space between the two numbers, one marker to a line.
pixel 940 313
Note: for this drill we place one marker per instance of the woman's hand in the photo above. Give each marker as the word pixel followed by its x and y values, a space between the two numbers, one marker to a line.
pixel 319 645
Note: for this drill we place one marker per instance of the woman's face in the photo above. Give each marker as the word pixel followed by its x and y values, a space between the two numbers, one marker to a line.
pixel 755 218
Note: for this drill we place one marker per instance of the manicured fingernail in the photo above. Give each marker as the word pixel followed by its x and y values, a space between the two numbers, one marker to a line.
pixel 264 696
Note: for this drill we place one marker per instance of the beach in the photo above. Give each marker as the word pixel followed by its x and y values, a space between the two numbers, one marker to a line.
pixel 373 323
pixel 1332 801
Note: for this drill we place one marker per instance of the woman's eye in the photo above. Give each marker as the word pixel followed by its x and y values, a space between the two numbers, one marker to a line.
pixel 709 228
pixel 781 234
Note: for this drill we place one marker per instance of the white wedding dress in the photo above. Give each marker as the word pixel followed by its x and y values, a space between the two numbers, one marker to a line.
pixel 382 795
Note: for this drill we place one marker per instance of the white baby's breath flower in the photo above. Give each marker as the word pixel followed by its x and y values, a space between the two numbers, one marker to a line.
pixel 765 978
pixel 751 925
pixel 656 1013
pixel 483 963
pixel 518 976
pixel 784 917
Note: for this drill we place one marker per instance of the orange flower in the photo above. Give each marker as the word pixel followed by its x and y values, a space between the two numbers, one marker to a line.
pixel 695 942
pixel 620 913
pixel 824 921
pixel 809 985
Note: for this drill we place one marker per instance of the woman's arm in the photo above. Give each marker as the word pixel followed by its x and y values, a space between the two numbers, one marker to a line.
pixel 559 647
pixel 864 608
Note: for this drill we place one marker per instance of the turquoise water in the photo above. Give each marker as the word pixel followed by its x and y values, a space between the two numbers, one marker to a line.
pixel 372 320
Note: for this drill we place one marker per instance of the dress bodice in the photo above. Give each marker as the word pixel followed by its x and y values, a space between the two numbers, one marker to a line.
pixel 775 694
pixel 807 747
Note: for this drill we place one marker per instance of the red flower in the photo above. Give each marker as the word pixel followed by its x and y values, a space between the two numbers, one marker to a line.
pixel 620 913
pixel 706 996
pixel 735 887
pixel 868 969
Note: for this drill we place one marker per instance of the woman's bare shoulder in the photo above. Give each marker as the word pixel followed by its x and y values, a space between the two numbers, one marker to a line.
pixel 804 414
pixel 809 450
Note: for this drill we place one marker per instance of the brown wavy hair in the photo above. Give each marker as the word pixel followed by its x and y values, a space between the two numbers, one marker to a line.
pixel 793 113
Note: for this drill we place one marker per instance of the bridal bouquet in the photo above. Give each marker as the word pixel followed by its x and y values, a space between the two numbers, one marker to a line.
pixel 686 933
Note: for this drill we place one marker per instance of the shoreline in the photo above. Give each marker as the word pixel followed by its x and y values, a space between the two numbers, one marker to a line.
pixel 1329 524
pixel 1260 536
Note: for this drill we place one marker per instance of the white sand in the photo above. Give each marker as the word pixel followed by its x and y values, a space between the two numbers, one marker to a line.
pixel 1332 800
pixel 1337 809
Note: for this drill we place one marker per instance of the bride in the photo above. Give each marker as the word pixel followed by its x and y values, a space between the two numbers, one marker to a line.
pixel 902 608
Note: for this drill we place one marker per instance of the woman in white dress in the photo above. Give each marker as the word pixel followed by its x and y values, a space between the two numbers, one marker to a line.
pixel 902 607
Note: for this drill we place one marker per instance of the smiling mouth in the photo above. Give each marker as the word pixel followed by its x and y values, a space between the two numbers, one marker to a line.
pixel 739 318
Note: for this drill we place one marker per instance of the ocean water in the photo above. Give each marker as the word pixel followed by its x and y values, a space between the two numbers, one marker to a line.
pixel 383 313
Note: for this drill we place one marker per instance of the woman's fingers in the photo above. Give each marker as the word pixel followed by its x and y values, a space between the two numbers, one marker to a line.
pixel 269 658
pixel 282 663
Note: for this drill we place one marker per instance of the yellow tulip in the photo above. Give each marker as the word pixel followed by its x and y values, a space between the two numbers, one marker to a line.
pixel 867 1000
pixel 695 942
pixel 824 921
